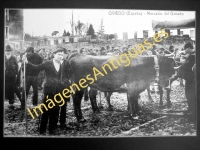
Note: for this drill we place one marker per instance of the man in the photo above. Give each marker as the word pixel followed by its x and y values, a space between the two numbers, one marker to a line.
pixel 69 51
pixel 189 76
pixel 154 50
pixel 11 71
pixel 124 50
pixel 92 52
pixel 102 51
pixel 185 72
pixel 171 49
pixel 82 51
pixel 96 51
pixel 107 49
pixel 56 79
pixel 42 53
pixel 116 51
pixel 48 54
pixel 32 76
pixel 41 74
pixel 65 82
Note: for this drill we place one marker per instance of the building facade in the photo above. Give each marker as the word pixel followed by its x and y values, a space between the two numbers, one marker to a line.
pixel 125 36
pixel 14 28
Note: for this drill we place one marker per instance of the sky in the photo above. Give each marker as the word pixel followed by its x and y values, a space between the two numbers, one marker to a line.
pixel 39 22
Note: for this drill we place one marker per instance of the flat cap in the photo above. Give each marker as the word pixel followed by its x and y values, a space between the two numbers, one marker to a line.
pixel 30 49
pixel 9 48
pixel 59 49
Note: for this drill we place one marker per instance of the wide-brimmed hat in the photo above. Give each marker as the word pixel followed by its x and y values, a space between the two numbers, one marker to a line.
pixel 188 45
pixel 30 49
pixel 9 48
pixel 171 47
pixel 59 49
pixel 102 48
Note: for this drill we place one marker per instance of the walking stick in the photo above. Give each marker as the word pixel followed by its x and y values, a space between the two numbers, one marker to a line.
pixel 40 116
pixel 25 96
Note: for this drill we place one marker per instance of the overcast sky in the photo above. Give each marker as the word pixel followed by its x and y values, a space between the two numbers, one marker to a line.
pixel 44 21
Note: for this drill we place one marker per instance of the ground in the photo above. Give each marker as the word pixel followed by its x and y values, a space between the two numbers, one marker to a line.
pixel 153 120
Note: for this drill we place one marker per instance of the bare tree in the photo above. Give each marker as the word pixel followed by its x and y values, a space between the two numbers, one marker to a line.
pixel 101 30
pixel 79 27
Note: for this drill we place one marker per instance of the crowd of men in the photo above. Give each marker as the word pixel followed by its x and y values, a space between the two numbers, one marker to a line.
pixel 47 69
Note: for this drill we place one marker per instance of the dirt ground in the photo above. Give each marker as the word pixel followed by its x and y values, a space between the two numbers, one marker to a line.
pixel 153 120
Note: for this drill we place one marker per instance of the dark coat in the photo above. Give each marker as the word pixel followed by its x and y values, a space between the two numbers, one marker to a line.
pixel 185 72
pixel 35 59
pixel 11 67
pixel 55 81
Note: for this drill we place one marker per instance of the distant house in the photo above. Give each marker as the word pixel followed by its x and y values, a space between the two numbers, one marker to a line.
pixel 180 28
pixel 125 36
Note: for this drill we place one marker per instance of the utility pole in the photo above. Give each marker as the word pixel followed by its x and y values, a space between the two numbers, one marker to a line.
pixel 59 30
pixel 72 24
pixel 101 30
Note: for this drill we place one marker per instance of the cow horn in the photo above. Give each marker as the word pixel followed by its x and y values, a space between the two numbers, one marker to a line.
pixel 176 67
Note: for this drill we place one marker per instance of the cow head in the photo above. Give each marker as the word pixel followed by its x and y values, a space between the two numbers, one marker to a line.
pixel 166 69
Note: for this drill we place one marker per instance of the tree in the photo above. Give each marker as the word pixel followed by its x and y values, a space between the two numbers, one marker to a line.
pixel 68 34
pixel 79 27
pixel 64 33
pixel 101 30
pixel 111 36
pixel 91 31
pixel 54 33
pixel 27 37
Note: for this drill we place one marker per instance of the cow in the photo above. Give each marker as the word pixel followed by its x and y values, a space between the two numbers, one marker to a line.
pixel 160 88
pixel 108 73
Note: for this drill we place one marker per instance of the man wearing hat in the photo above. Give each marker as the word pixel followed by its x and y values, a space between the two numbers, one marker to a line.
pixel 185 72
pixel 92 52
pixel 189 77
pixel 107 49
pixel 102 51
pixel 32 76
pixel 82 51
pixel 56 79
pixel 11 71
pixel 125 50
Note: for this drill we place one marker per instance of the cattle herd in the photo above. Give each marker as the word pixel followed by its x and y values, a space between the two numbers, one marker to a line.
pixel 122 72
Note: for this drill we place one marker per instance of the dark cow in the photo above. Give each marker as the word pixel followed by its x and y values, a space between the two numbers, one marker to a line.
pixel 137 73
pixel 161 89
